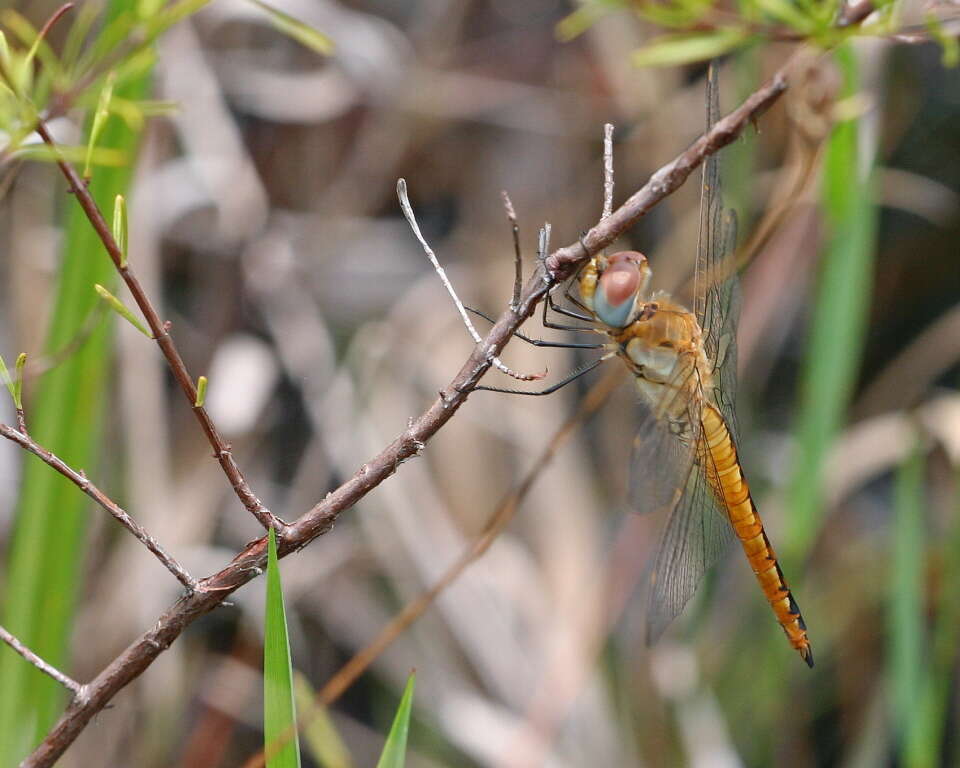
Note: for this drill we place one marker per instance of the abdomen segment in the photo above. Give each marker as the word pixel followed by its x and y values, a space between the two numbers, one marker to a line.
pixel 730 487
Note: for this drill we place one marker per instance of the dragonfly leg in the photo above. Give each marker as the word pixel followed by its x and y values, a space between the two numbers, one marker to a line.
pixel 575 279
pixel 559 326
pixel 539 342
pixel 567 312
pixel 549 390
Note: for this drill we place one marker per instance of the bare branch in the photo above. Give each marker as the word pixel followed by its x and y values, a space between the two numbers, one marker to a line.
pixel 70 684
pixel 517 258
pixel 562 262
pixel 80 480
pixel 607 170
pixel 252 560
pixel 412 220
pixel 161 334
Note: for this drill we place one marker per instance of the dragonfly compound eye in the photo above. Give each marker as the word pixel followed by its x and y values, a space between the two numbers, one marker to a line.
pixel 624 279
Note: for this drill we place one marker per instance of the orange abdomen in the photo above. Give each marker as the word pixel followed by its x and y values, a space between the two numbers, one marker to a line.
pixel 731 489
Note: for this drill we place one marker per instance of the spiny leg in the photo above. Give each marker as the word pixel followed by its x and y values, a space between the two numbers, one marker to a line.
pixel 549 390
pixel 541 342
pixel 558 326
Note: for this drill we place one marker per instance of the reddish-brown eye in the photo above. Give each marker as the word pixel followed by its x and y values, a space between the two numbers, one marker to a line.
pixel 623 277
pixel 620 282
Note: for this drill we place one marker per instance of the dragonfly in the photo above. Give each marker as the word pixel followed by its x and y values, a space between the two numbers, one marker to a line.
pixel 685 458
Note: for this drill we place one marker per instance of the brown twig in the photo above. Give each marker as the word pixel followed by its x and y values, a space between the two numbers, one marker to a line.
pixel 161 334
pixel 70 684
pixel 607 170
pixel 320 519
pixel 561 263
pixel 80 480
pixel 517 258
pixel 495 361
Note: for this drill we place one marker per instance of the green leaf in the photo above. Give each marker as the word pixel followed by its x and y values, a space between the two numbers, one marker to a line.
pixel 395 748
pixel 839 312
pixel 28 35
pixel 575 24
pixel 304 34
pixel 682 15
pixel 18 381
pixel 201 392
pixel 99 120
pixel 788 13
pixel 121 309
pixel 684 48
pixel 321 736
pixel 103 156
pixel 951 48
pixel 120 227
pixel 281 744
pixel 19 73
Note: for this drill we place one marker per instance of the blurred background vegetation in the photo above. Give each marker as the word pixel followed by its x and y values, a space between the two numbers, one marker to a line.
pixel 263 220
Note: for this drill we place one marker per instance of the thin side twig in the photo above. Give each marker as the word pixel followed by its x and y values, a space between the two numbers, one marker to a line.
pixel 607 170
pixel 161 334
pixel 543 246
pixel 562 262
pixel 67 682
pixel 412 221
pixel 80 480
pixel 251 561
pixel 517 258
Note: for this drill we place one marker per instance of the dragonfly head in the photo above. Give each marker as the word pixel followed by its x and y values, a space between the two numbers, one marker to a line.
pixel 615 287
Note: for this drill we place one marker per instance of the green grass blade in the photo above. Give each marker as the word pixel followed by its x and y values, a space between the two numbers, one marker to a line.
pixel 279 710
pixel 839 318
pixel 906 648
pixel 320 735
pixel 65 414
pixel 395 749
pixel 924 739
pixel 297 30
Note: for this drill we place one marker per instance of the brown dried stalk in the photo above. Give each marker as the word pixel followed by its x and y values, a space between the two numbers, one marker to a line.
pixel 250 562
pixel 161 334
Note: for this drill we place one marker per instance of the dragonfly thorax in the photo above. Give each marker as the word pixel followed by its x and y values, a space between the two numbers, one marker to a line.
pixel 615 287
pixel 663 348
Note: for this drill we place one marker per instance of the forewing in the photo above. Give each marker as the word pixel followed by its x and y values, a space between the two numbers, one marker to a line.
pixel 717 292
pixel 696 535
pixel 698 529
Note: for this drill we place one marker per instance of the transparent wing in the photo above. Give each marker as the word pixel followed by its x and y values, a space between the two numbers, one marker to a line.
pixel 717 290
pixel 698 530
pixel 663 450
pixel 696 535
pixel 661 461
